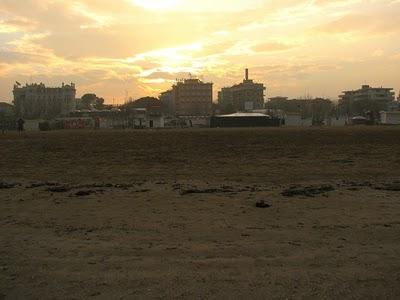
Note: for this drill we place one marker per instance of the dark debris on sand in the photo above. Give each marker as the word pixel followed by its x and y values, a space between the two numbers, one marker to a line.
pixel 58 189
pixel 55 187
pixel 84 193
pixel 190 189
pixel 7 185
pixel 262 204
pixel 308 191
pixel 35 185
pixel 194 190
pixel 391 187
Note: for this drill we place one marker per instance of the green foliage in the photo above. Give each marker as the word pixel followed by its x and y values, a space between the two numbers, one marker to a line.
pixel 89 101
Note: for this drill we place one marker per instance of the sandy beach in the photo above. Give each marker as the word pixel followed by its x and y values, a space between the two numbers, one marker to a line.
pixel 173 214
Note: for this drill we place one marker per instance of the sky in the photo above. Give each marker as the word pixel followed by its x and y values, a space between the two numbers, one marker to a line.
pixel 134 48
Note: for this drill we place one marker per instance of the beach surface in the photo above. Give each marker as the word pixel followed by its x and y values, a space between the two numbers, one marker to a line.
pixel 201 214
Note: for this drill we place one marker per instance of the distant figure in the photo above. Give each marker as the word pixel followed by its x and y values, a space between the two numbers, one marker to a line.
pixel 20 124
pixel 97 123
pixel 3 126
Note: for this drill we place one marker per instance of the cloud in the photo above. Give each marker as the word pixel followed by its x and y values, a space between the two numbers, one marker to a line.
pixel 272 46
pixel 357 23
pixel 16 25
pixel 113 46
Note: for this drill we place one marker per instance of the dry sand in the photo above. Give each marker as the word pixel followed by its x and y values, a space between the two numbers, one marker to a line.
pixel 172 214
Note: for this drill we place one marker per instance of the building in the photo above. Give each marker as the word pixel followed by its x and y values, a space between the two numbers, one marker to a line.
pixel 167 101
pixel 190 97
pixel 6 109
pixel 393 106
pixel 7 120
pixel 358 120
pixel 390 117
pixel 369 93
pixel 367 98
pixel 245 96
pixel 145 112
pixel 296 120
pixel 141 118
pixel 244 120
pixel 151 104
pixel 36 101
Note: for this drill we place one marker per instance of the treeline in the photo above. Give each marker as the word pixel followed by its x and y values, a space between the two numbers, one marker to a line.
pixel 363 107
pixel 321 108
pixel 317 109
pixel 91 101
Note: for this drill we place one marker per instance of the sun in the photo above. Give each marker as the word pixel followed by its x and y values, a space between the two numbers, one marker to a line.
pixel 157 4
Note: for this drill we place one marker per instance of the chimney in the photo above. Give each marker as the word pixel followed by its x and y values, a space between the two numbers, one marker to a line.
pixel 247 74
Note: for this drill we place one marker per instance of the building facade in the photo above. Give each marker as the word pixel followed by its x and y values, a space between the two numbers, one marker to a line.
pixel 167 101
pixel 367 98
pixel 245 96
pixel 36 101
pixel 6 109
pixel 393 106
pixel 390 117
pixel 189 97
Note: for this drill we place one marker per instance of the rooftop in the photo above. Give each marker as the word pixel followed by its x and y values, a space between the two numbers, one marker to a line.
pixel 42 85
pixel 247 83
pixel 367 88
pixel 247 114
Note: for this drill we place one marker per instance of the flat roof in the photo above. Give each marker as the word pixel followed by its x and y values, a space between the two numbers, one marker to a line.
pixel 245 115
pixel 391 112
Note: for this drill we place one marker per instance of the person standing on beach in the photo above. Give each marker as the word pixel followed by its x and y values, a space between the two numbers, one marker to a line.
pixel 3 124
pixel 20 124
pixel 97 123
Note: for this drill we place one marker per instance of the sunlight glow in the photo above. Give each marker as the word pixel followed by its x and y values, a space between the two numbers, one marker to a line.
pixel 142 46
pixel 157 4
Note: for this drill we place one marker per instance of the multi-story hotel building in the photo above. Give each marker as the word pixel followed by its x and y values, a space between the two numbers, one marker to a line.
pixel 189 97
pixel 36 101
pixel 244 96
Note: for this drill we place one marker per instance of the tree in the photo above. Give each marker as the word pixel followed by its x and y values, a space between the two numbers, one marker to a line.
pixel 352 107
pixel 150 103
pixel 228 109
pixel 99 103
pixel 89 101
